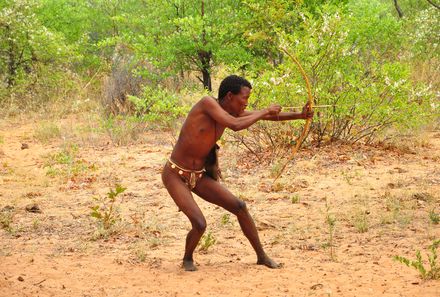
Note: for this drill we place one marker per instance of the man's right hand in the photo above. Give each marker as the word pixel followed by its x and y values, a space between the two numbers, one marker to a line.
pixel 274 109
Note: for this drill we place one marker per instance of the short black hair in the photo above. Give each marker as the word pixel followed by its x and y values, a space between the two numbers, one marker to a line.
pixel 232 83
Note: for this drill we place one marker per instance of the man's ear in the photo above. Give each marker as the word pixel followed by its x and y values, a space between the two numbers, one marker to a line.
pixel 228 95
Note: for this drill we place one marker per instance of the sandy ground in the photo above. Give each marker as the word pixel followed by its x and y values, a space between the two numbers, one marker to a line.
pixel 379 200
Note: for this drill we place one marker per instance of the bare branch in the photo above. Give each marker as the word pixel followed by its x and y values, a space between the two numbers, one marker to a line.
pixel 433 4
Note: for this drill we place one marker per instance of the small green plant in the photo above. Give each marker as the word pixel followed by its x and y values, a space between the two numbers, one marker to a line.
pixel 349 176
pixel 140 254
pixel 434 217
pixel 397 210
pixel 295 198
pixel 66 163
pixel 2 139
pixel 277 187
pixel 330 220
pixel 206 242
pixel 47 131
pixel 275 169
pixel 6 219
pixel 36 224
pixel 361 222
pixel 105 212
pixel 5 168
pixel 434 268
pixel 226 219
pixel 123 129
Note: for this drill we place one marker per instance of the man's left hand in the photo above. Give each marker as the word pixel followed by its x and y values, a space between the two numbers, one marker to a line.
pixel 307 113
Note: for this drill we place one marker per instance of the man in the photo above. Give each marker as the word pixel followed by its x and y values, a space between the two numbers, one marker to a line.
pixel 185 170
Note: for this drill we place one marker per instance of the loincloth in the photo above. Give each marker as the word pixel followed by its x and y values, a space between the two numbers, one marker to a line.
pixel 189 177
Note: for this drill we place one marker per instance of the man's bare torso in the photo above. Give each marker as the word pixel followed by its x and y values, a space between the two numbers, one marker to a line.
pixel 198 135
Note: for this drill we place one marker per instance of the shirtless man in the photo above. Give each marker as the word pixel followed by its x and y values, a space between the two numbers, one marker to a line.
pixel 184 171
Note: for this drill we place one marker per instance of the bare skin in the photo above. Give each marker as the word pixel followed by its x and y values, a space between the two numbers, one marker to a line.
pixel 203 126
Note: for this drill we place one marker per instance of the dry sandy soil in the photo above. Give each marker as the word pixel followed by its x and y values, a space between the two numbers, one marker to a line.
pixel 379 199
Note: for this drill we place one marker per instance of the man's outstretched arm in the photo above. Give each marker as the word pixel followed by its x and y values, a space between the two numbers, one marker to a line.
pixel 241 122
pixel 286 116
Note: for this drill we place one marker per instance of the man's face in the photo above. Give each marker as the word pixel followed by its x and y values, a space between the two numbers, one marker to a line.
pixel 240 101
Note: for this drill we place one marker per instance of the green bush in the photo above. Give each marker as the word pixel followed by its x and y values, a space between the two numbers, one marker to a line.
pixel 33 58
pixel 350 59
pixel 431 272
pixel 157 104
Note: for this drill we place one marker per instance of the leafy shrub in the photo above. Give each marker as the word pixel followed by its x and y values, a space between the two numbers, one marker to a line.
pixel 206 242
pixel 47 131
pixel 105 212
pixel 350 61
pixel 433 272
pixel 66 164
pixel 434 217
pixel 6 218
pixel 158 104
pixel 33 58
pixel 123 129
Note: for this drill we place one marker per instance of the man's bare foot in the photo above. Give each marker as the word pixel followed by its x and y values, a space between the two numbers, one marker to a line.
pixel 268 262
pixel 188 265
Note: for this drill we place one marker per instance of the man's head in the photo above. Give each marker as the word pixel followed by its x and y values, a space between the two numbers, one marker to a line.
pixel 233 84
pixel 233 94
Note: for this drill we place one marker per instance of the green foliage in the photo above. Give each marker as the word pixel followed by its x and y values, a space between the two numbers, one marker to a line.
pixel 424 37
pixel 158 104
pixel 330 220
pixel 206 241
pixel 123 129
pixel 25 41
pixel 431 272
pixel 105 211
pixel 6 219
pixel 31 55
pixel 295 199
pixel 66 164
pixel 350 60
pixel 178 37
pixel 378 70
pixel 264 19
pixel 46 131
pixel 226 219
pixel 361 221
pixel 434 217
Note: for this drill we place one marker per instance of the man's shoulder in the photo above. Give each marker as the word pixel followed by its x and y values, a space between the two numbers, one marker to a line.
pixel 209 99
pixel 207 102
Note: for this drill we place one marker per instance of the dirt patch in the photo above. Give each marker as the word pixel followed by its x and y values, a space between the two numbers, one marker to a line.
pixel 335 219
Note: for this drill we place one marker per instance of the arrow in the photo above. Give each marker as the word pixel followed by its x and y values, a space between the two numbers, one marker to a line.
pixel 314 106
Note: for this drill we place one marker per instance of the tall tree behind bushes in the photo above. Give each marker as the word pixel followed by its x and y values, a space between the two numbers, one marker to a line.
pixel 189 36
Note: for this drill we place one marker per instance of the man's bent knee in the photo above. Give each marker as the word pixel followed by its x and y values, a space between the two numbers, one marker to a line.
pixel 240 207
pixel 199 225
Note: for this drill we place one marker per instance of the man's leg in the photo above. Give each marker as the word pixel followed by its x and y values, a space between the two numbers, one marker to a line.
pixel 183 198
pixel 214 192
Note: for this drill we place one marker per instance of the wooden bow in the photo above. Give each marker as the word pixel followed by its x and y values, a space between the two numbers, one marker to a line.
pixel 306 128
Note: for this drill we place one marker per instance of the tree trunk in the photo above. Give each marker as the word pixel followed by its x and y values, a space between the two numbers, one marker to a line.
pixel 399 11
pixel 433 4
pixel 205 57
pixel 205 61
pixel 12 65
